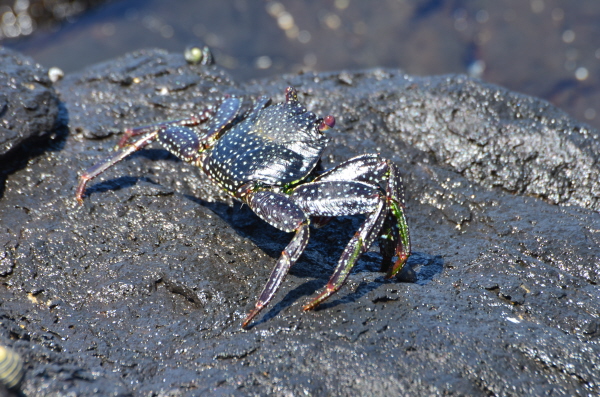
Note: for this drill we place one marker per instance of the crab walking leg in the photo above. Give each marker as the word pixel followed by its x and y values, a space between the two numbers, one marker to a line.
pixel 119 155
pixel 129 133
pixel 224 115
pixel 388 242
pixel 289 256
pixel 177 136
pixel 279 211
pixel 188 143
pixel 400 235
pixel 358 245
pixel 338 198
pixel 396 204
pixel 371 168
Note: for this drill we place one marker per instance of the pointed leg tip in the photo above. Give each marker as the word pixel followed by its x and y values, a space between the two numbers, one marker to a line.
pixel 251 316
pixel 319 299
pixel 79 194
pixel 311 305
pixel 398 266
pixel 248 320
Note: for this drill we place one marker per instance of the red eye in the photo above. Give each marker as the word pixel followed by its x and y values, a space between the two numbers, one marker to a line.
pixel 327 123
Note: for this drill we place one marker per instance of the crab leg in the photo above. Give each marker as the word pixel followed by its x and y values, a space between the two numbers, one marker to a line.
pixel 356 187
pixel 336 198
pixel 371 168
pixel 368 168
pixel 398 229
pixel 358 245
pixel 99 168
pixel 194 120
pixel 216 125
pixel 279 211
pixel 226 112
pixel 288 257
pixel 176 136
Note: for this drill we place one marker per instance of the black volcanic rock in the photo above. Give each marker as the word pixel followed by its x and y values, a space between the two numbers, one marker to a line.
pixel 142 289
pixel 29 107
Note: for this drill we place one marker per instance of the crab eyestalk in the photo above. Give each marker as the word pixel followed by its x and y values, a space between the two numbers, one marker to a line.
pixel 291 95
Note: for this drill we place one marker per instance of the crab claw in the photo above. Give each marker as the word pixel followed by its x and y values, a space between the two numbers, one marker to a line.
pixel 327 123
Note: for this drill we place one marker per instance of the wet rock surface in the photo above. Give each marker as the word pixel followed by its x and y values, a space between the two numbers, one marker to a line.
pixel 29 107
pixel 141 290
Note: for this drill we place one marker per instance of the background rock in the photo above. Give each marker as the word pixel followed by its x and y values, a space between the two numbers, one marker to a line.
pixel 141 291
pixel 28 104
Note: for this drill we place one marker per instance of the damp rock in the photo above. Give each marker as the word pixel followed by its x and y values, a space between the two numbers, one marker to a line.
pixel 142 289
pixel 29 106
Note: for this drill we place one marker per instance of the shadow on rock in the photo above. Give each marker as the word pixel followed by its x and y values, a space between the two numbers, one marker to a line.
pixel 33 119
pixel 420 269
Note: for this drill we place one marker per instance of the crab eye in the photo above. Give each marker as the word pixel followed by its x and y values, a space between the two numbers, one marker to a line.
pixel 327 123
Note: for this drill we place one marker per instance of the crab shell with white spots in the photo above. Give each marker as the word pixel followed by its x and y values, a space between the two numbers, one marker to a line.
pixel 275 146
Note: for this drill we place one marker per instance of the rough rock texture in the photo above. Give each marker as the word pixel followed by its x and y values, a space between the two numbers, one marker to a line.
pixel 141 290
pixel 28 105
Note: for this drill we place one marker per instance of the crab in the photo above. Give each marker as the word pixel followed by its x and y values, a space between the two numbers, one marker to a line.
pixel 269 159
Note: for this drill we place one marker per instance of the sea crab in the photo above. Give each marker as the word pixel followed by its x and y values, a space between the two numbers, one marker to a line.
pixel 269 159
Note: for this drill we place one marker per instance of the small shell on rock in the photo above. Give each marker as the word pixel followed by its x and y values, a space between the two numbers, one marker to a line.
pixel 11 367
pixel 345 78
pixel 55 74
pixel 198 55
